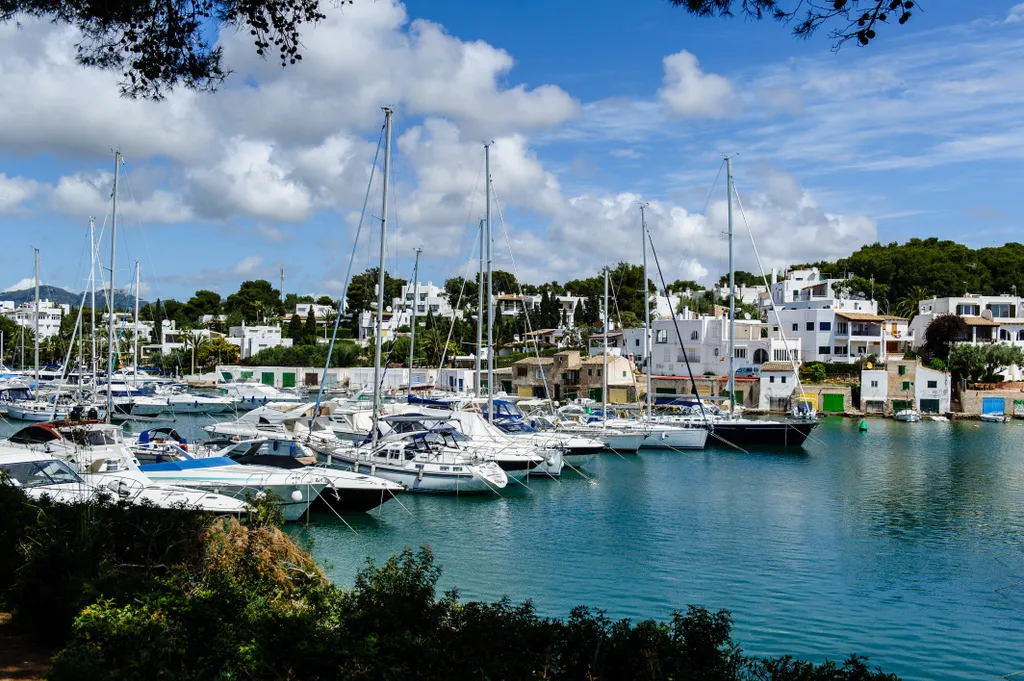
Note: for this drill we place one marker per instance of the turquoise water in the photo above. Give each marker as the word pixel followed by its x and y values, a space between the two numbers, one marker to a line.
pixel 891 543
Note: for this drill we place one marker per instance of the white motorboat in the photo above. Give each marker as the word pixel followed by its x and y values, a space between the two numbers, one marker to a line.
pixel 995 418
pixel 37 411
pixel 423 461
pixel 39 475
pixel 907 416
pixel 250 395
pixel 96 452
pixel 179 403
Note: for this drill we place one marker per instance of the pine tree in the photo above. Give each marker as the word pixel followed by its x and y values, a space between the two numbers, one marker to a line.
pixel 309 332
pixel 295 329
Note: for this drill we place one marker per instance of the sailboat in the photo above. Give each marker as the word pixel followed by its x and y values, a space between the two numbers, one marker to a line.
pixel 728 427
pixel 419 461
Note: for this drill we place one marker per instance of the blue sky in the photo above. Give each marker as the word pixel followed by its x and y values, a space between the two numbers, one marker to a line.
pixel 592 107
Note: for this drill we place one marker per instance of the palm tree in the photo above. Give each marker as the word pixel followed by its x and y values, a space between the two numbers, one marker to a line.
pixel 435 346
pixel 195 343
pixel 910 303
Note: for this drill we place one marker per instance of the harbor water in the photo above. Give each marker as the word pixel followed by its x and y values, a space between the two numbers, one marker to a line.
pixel 904 543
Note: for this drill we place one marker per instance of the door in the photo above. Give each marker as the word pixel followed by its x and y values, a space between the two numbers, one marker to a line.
pixel 739 396
pixel 288 380
pixel 992 405
pixel 595 394
pixel 929 406
pixel 506 387
pixel 267 378
pixel 558 392
pixel 312 379
pixel 831 402
pixel 900 405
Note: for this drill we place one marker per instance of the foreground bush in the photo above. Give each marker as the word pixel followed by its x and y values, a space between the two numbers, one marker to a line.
pixel 187 597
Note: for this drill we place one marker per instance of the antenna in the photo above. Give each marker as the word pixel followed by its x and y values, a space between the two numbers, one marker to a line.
pixel 282 282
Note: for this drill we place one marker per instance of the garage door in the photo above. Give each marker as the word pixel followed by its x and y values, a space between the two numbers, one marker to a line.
pixel 288 380
pixel 929 406
pixel 992 405
pixel 267 378
pixel 831 403
pixel 900 405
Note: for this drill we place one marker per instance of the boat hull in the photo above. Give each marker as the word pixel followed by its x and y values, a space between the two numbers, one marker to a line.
pixel 675 438
pixel 767 434
pixel 423 482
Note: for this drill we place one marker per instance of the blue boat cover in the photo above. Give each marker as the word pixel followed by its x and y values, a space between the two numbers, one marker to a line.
pixel 190 464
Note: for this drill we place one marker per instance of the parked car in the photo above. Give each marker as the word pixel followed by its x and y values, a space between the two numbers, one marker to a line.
pixel 748 372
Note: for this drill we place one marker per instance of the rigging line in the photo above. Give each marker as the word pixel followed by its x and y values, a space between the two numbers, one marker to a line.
pixel 458 305
pixel 519 284
pixel 348 275
pixel 145 242
pixel 679 335
pixel 782 331
pixel 387 360
pixel 704 212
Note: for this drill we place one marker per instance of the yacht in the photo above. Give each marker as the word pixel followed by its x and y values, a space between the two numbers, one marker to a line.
pixel 96 453
pixel 39 475
pixel 250 395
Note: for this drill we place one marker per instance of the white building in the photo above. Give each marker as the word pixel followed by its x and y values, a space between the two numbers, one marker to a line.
pixel 902 384
pixel 513 305
pixel 251 339
pixel 778 381
pixel 830 326
pixel 989 319
pixel 428 299
pixel 50 314
pixel 706 342
pixel 321 311
pixel 171 337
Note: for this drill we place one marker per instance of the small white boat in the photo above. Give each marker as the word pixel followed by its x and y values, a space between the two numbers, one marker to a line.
pixel 995 418
pixel 907 416
pixel 180 403
pixel 36 412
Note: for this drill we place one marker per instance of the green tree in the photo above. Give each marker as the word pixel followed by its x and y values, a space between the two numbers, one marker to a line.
pixel 295 329
pixel 362 291
pixel 157 46
pixel 941 333
pixel 862 288
pixel 856 20
pixel 741 278
pixel 253 300
pixel 326 300
pixel 309 332
pixel 461 293
pixel 685 285
pixel 909 305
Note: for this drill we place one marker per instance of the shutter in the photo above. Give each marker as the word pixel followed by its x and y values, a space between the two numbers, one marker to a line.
pixel 992 405
pixel 832 402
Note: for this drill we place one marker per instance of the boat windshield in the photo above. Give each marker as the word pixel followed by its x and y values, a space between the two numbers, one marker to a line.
pixel 39 473
pixel 93 438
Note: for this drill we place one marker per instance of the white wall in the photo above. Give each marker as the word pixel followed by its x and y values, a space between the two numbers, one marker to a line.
pixel 941 392
pixel 874 385
pixel 773 387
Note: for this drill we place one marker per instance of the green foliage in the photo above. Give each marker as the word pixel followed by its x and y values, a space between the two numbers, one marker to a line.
pixel 461 293
pixel 941 333
pixel 813 372
pixel 361 295
pixel 860 287
pixel 256 301
pixel 741 278
pixel 158 46
pixel 326 300
pixel 937 364
pixel 684 285
pixel 981 363
pixel 346 354
pixel 295 329
pixel 309 330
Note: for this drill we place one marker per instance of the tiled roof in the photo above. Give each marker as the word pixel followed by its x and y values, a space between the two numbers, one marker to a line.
pixel 867 317
pixel 979 321
pixel 776 366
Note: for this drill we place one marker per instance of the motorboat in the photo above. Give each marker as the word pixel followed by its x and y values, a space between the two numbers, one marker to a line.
pixel 422 461
pixel 348 490
pixel 995 418
pixel 96 452
pixel 39 475
pixel 179 403
pixel 907 415
pixel 249 395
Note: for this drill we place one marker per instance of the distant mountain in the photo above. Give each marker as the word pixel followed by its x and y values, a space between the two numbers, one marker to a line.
pixel 122 300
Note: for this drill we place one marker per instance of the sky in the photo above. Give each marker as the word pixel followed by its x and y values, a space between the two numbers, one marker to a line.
pixel 591 108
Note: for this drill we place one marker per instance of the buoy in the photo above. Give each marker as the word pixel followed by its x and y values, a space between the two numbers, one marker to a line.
pixel 863 426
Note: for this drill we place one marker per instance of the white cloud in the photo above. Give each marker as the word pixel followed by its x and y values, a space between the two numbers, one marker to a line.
pixel 249 266
pixel 272 234
pixel 88 194
pixel 1016 14
pixel 15 191
pixel 688 91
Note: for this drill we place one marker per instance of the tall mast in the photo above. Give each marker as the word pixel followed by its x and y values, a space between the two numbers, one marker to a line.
pixel 480 313
pixel 604 356
pixel 37 320
pixel 732 300
pixel 415 302
pixel 380 271
pixel 647 311
pixel 110 295
pixel 92 293
pixel 490 292
pixel 135 344
pixel 282 283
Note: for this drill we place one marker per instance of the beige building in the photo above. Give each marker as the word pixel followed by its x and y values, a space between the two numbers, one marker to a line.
pixel 566 376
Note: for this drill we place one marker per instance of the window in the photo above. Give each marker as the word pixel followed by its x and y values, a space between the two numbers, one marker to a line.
pixel 775 328
pixel 906 385
pixel 824 326
pixel 423 297
pixel 782 379
pixel 1000 310
pixel 840 351
pixel 771 379
pixel 521 372
pixel 810 326
pixel 1004 335
pixel 902 369
pixel 933 384
pixel 590 372
pixel 874 384
pixel 970 310
pixel 843 328
pixel 741 353
pixel 638 342
pixel 623 374
pixel 824 350
pixel 796 327
pixel 661 336
pixel 715 352
pixel 695 336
